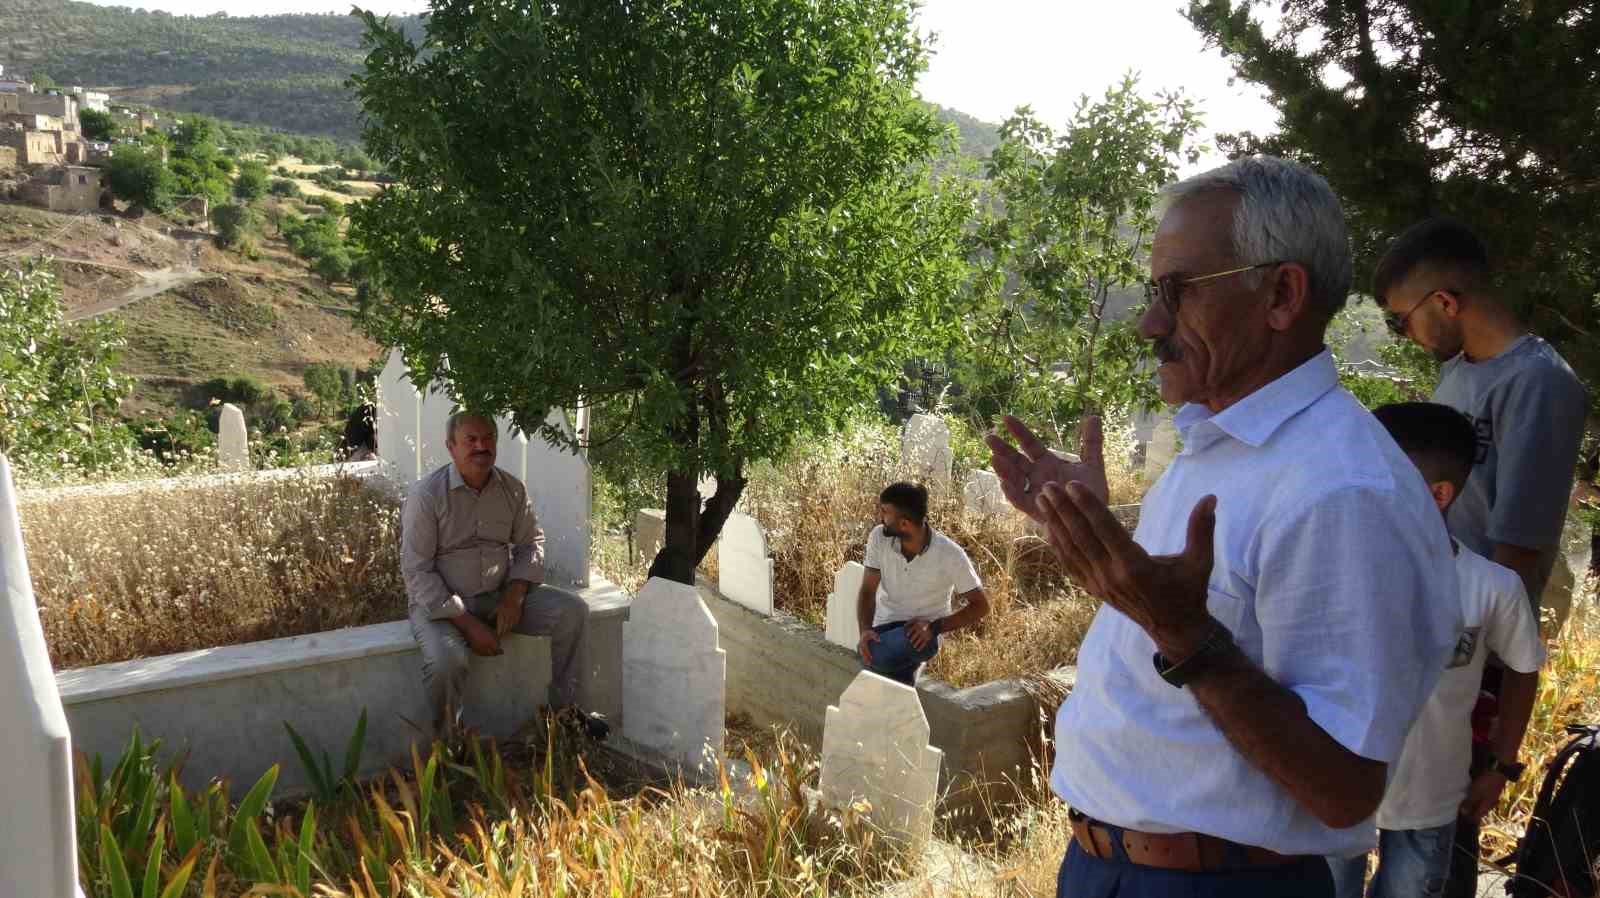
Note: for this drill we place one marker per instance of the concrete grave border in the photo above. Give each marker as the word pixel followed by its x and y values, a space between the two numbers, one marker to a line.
pixel 225 707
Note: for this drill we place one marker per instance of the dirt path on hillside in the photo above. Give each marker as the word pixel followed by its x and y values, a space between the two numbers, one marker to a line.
pixel 155 283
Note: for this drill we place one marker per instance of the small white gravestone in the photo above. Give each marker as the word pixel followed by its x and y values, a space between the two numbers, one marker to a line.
pixel 673 675
pixel 875 748
pixel 983 494
pixel 1163 448
pixel 744 572
pixel 399 420
pixel 649 534
pixel 233 443
pixel 925 446
pixel 40 859
pixel 842 626
pixel 560 483
pixel 431 450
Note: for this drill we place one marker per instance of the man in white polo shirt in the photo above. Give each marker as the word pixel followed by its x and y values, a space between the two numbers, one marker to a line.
pixel 918 569
pixel 1275 625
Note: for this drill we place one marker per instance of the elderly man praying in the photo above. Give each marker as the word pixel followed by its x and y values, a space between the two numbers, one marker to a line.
pixel 1277 621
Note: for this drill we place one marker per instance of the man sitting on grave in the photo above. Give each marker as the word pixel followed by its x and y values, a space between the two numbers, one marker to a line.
pixel 918 568
pixel 473 559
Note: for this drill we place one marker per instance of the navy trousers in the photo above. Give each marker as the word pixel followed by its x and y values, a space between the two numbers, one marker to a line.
pixel 1083 876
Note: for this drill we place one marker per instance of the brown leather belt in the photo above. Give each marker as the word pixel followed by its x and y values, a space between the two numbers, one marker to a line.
pixel 1192 852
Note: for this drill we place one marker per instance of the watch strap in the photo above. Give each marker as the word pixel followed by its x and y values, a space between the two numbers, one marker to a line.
pixel 1180 673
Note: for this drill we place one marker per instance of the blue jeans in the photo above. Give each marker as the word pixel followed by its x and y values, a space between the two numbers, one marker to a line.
pixel 1083 876
pixel 1412 863
pixel 893 656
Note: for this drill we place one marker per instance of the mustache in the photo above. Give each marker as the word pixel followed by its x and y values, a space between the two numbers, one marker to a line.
pixel 1166 350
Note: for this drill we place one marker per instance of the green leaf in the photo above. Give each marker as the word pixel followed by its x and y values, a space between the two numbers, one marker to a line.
pixel 250 808
pixel 184 833
pixel 152 867
pixel 111 862
pixel 319 775
pixel 352 752
pixel 308 836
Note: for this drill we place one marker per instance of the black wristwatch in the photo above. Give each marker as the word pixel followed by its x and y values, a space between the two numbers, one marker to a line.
pixel 1179 674
pixel 1512 771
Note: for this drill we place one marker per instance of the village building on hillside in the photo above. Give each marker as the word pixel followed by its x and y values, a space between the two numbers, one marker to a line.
pixel 68 188
pixel 40 132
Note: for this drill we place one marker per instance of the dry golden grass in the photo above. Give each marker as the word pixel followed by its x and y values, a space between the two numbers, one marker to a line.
pixel 1569 692
pixel 154 571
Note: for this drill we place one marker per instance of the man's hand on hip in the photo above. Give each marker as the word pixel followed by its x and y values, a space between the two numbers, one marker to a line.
pixel 919 633
pixel 1164 594
pixel 480 638
pixel 508 610
pixel 1025 469
pixel 864 647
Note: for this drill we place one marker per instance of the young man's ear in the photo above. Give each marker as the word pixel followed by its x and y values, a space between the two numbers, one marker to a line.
pixel 1450 303
pixel 1444 493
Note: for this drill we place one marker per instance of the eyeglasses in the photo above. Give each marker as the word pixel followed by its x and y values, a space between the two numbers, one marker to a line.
pixel 1397 323
pixel 1169 287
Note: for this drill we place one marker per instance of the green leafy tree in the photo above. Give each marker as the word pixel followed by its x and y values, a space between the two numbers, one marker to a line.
pixel 42 81
pixel 59 388
pixel 1483 111
pixel 201 169
pixel 334 266
pixel 331 384
pixel 235 224
pixel 721 222
pixel 283 187
pixel 251 182
pixel 1060 256
pixel 137 175
pixel 97 125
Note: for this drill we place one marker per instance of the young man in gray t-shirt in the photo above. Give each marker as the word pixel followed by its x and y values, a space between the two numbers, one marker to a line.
pixel 1524 401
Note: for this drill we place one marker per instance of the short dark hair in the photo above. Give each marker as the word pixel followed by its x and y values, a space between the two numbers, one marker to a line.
pixel 1440 440
pixel 1433 241
pixel 910 499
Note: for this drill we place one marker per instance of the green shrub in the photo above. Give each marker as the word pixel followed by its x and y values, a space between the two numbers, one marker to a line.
pixel 284 187
pixel 235 223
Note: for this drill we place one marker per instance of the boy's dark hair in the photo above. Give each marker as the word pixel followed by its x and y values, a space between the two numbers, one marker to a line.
pixel 910 499
pixel 1433 241
pixel 1439 439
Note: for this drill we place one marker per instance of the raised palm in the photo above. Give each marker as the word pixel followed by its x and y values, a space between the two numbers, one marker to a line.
pixel 1025 468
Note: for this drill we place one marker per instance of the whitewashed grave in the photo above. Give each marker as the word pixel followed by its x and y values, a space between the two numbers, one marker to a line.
pixel 673 675
pixel 37 829
pixel 983 494
pixel 925 447
pixel 233 442
pixel 744 572
pixel 842 626
pixel 875 749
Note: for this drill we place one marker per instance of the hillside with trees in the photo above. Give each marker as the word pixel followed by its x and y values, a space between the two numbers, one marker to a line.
pixel 285 72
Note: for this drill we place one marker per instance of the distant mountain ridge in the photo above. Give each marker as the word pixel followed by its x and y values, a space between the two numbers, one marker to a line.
pixel 286 72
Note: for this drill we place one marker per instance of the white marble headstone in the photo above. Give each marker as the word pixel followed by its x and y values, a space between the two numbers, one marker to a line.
pixel 674 675
pixel 436 409
pixel 744 572
pixel 560 482
pixel 649 534
pixel 37 829
pixel 399 420
pixel 1162 449
pixel 925 446
pixel 843 628
pixel 233 443
pixel 983 494
pixel 875 748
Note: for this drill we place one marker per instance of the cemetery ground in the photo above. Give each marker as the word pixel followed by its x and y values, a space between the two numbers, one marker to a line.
pixel 123 572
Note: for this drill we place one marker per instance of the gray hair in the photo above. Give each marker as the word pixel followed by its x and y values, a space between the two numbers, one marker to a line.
pixel 455 419
pixel 1287 213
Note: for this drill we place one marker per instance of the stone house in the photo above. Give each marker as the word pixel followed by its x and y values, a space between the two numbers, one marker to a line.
pixel 68 188
pixel 91 99
pixel 34 147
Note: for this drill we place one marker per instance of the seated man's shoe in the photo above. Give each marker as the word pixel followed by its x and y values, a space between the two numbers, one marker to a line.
pixel 590 725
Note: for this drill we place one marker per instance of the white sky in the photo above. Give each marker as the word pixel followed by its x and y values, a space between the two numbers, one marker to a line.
pixel 994 55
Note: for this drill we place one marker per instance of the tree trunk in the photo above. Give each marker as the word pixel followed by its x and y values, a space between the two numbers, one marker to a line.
pixel 680 546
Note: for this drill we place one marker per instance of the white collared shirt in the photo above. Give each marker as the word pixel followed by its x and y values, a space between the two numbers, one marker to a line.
pixel 918 587
pixel 1333 572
